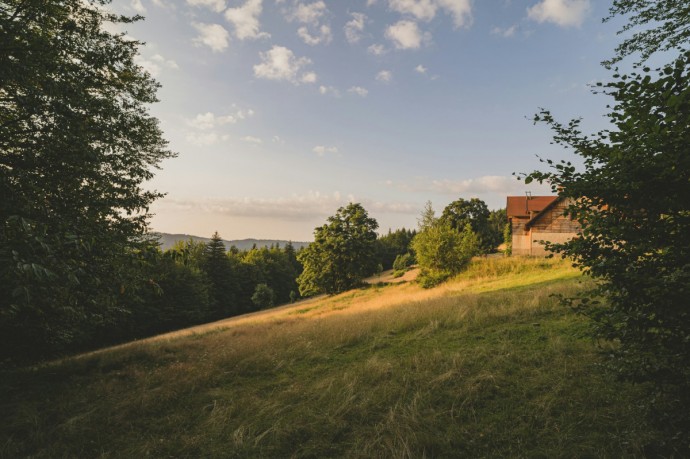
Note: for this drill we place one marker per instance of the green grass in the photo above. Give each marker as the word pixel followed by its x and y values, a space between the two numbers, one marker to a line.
pixel 488 365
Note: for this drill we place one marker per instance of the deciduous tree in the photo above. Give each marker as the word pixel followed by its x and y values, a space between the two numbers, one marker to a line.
pixel 632 198
pixel 76 144
pixel 342 253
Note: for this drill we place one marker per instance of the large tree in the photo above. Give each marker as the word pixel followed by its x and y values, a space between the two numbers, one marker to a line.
pixel 76 145
pixel 632 197
pixel 342 254
pixel 462 212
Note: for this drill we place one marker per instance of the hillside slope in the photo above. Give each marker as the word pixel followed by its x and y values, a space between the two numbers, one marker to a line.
pixel 485 365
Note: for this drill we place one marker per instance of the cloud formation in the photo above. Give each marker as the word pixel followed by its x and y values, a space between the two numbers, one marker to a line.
pixel 425 10
pixel 322 150
pixel 155 64
pixel 406 35
pixel 214 5
pixel 308 13
pixel 212 35
pixel 245 20
pixel 358 90
pixel 377 49
pixel 324 35
pixel 384 76
pixel 488 184
pixel 297 207
pixel 355 27
pixel 203 128
pixel 329 90
pixel 565 13
pixel 280 63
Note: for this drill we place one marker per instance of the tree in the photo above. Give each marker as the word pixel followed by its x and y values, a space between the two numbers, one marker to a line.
pixel 219 270
pixel 263 297
pixel 76 144
pixel 442 251
pixel 342 253
pixel 632 199
pixel 393 244
pixel 474 212
pixel 670 21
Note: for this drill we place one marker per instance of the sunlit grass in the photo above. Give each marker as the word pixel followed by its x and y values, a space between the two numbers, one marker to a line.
pixel 486 365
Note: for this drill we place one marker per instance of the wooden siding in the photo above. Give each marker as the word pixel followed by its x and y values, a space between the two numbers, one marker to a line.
pixel 551 226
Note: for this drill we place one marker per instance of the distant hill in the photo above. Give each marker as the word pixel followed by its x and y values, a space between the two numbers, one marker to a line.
pixel 167 240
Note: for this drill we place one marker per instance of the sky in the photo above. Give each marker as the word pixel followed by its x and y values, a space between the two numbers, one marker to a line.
pixel 282 111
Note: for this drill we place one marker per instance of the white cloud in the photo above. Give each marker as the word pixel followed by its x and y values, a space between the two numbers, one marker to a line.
pixel 207 121
pixel 329 90
pixel 250 139
pixel 245 19
pixel 354 27
pixel 384 76
pixel 425 10
pixel 322 150
pixel 360 91
pixel 488 184
pixel 565 13
pixel 138 6
pixel 421 69
pixel 406 35
pixel 212 35
pixel 203 128
pixel 309 77
pixel 460 10
pixel 280 63
pixel 214 5
pixel 308 13
pixel 296 207
pixel 505 33
pixel 377 50
pixel 324 35
pixel 155 64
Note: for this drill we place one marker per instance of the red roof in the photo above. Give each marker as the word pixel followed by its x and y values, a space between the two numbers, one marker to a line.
pixel 521 206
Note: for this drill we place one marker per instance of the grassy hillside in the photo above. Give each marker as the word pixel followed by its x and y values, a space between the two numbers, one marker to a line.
pixel 486 365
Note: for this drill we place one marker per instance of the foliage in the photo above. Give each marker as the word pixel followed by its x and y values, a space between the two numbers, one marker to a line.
pixel 633 201
pixel 508 239
pixel 393 244
pixel 219 270
pixel 441 251
pixel 497 223
pixel 460 213
pixel 666 26
pixel 403 262
pixel 263 297
pixel 342 253
pixel 76 144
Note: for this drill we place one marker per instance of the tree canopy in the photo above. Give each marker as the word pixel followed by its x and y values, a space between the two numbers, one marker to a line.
pixel 632 198
pixel 342 254
pixel 441 250
pixel 666 26
pixel 76 144
pixel 474 212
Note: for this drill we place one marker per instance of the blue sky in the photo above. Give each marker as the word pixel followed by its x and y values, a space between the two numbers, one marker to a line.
pixel 284 110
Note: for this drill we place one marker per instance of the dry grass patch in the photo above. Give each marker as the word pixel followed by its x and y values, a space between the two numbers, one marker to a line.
pixel 487 365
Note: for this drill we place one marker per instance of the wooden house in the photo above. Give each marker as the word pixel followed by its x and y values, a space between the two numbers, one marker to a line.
pixel 538 218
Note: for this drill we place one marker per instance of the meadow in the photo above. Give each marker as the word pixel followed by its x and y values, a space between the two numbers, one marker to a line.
pixel 486 365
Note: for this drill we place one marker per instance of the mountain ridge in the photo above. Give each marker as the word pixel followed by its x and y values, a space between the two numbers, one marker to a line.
pixel 168 240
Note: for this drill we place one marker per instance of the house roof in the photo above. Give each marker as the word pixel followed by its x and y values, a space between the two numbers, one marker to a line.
pixel 522 206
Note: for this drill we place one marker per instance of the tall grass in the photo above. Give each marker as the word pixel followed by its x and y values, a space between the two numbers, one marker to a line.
pixel 486 365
